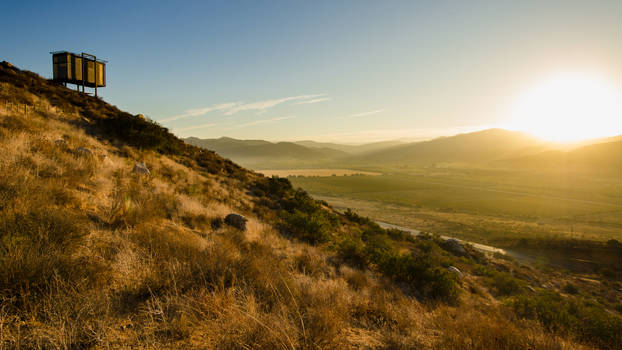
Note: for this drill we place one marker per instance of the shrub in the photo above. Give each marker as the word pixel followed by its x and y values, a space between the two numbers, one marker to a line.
pixel 585 321
pixel 311 227
pixel 137 132
pixel 504 284
pixel 570 289
pixel 352 252
pixel 416 272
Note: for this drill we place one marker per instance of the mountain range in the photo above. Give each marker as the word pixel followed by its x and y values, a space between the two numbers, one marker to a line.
pixel 494 147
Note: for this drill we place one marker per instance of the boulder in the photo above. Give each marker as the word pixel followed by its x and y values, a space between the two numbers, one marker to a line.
pixel 83 151
pixel 236 220
pixel 455 270
pixel 141 168
pixel 455 247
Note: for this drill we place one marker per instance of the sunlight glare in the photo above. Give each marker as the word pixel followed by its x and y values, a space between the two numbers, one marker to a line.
pixel 569 107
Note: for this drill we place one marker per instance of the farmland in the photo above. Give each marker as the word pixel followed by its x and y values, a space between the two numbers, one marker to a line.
pixel 315 172
pixel 493 206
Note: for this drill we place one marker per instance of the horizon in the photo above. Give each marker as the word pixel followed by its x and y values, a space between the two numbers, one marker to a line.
pixel 554 144
pixel 351 73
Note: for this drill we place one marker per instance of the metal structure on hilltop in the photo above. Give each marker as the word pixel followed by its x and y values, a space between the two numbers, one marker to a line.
pixel 83 70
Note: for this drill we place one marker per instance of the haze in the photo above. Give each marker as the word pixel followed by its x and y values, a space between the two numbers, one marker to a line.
pixel 335 71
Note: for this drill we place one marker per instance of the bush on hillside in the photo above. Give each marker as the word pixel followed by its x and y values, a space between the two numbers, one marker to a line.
pixel 311 227
pixel 586 321
pixel 430 282
pixel 502 283
pixel 352 253
pixel 140 133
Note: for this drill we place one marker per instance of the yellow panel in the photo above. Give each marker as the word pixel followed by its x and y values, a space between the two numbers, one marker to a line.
pixel 100 74
pixel 69 68
pixel 90 72
pixel 78 63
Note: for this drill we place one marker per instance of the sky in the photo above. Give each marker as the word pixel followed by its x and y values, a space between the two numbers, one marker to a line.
pixel 339 71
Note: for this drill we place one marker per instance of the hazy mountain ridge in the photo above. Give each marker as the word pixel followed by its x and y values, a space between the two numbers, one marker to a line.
pixel 492 146
pixel 480 146
pixel 352 149
pixel 605 156
pixel 242 149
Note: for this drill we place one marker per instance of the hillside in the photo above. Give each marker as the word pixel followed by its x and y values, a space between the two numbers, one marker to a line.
pixel 97 252
pixel 598 157
pixel 477 147
pixel 258 152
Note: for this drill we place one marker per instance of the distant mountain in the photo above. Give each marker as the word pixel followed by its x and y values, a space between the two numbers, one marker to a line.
pixel 596 157
pixel 225 142
pixel 496 147
pixel 480 146
pixel 265 152
pixel 352 149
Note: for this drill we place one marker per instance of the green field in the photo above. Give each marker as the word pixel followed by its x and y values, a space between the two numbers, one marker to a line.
pixel 485 205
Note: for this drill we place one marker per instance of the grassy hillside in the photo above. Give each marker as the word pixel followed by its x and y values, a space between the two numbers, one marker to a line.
pixel 94 254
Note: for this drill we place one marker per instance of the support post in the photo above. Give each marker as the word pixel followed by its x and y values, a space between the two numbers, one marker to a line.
pixel 84 72
pixel 95 69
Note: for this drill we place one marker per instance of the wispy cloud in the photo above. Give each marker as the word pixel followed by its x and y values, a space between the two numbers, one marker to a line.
pixel 364 114
pixel 261 121
pixel 315 100
pixel 234 107
pixel 263 105
pixel 201 111
pixel 194 127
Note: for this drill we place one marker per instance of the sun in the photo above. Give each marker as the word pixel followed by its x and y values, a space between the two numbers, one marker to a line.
pixel 569 107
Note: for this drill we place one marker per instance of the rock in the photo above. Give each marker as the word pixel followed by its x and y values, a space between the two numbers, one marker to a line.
pixel 236 220
pixel 455 270
pixel 141 168
pixel 455 247
pixel 84 151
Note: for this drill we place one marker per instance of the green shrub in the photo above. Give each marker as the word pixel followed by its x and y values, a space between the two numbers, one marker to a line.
pixel 352 253
pixel 311 227
pixel 504 284
pixel 354 217
pixel 570 289
pixel 417 273
pixel 586 321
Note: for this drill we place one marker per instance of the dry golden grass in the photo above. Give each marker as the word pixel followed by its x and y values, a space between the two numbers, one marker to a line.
pixel 95 256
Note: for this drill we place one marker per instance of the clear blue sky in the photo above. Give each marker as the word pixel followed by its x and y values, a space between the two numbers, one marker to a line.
pixel 350 71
